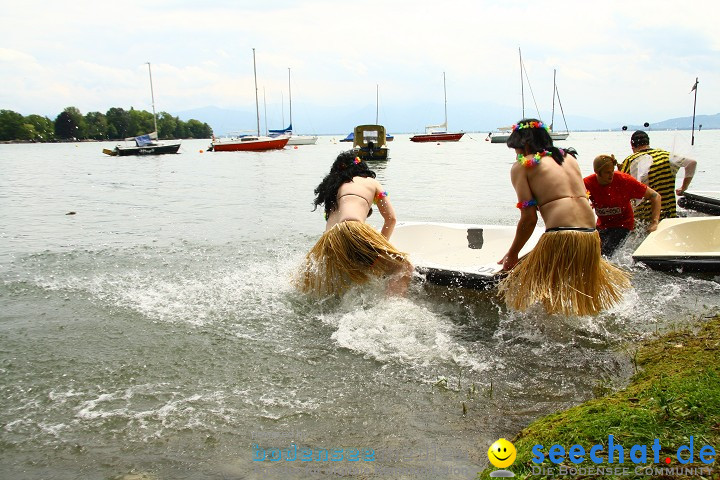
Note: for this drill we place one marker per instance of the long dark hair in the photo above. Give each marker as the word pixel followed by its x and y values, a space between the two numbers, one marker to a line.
pixel 342 171
pixel 532 134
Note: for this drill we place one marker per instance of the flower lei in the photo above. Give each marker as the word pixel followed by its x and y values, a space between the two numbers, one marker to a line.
pixel 529 162
pixel 526 204
pixel 533 124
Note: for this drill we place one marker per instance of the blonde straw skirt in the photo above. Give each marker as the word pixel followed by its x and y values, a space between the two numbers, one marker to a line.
pixel 567 274
pixel 351 252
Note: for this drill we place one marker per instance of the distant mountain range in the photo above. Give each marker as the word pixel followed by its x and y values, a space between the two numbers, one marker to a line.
pixel 470 117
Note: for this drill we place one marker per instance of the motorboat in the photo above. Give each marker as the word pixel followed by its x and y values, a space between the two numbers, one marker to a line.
pixel 369 142
pixel 690 244
pixel 458 255
pixel 705 202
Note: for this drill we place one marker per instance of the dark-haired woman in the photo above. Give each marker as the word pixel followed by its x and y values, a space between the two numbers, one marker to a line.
pixel 351 251
pixel 565 271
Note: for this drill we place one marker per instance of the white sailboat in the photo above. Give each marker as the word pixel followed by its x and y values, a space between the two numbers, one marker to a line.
pixel 294 139
pixel 506 131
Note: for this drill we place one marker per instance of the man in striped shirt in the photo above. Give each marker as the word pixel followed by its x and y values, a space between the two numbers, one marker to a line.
pixel 657 169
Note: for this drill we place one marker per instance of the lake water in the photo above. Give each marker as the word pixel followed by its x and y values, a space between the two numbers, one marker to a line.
pixel 155 333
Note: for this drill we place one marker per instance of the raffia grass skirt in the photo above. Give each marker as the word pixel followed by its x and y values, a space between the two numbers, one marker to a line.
pixel 351 252
pixel 567 274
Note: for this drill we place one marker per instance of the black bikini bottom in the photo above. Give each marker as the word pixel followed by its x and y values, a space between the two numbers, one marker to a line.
pixel 574 229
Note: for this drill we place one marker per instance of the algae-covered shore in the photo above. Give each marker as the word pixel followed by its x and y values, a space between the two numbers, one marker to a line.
pixel 674 397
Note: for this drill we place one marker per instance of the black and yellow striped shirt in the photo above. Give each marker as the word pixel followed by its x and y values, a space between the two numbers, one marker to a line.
pixel 661 178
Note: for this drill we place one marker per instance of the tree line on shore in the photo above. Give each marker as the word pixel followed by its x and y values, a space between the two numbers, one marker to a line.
pixel 115 124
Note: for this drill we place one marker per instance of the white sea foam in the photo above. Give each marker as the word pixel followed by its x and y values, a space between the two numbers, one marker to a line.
pixel 397 330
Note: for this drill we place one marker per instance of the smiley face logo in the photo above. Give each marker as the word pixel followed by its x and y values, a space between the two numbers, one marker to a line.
pixel 502 453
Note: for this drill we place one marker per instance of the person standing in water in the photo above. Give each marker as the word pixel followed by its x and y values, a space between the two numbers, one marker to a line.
pixel 565 271
pixel 657 169
pixel 351 251
pixel 610 195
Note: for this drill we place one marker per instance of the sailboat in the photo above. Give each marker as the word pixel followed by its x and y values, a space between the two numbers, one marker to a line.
pixel 502 137
pixel 249 143
pixel 145 144
pixel 294 139
pixel 438 133
pixel 553 134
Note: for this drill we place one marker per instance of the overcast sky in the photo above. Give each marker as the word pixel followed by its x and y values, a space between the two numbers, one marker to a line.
pixel 627 61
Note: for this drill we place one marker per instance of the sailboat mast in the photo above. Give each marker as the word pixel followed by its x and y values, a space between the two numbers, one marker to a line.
pixel 257 103
pixel 152 96
pixel 377 102
pixel 552 118
pixel 265 111
pixel 522 84
pixel 290 97
pixel 445 94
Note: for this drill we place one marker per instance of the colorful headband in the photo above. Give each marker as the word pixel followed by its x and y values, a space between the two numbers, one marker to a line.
pixel 533 124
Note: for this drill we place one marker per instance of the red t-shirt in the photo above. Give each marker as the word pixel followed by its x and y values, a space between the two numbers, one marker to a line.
pixel 612 202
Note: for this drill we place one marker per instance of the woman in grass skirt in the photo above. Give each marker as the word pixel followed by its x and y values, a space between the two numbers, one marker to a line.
pixel 351 251
pixel 565 271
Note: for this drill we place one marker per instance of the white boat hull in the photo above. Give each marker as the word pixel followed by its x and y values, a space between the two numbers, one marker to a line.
pixel 690 244
pixel 463 255
pixel 303 140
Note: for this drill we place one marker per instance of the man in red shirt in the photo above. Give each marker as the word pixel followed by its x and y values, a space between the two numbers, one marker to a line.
pixel 610 194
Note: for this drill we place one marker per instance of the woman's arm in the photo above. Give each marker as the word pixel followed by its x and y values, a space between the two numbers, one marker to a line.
pixel 655 205
pixel 525 228
pixel 386 210
pixel 528 217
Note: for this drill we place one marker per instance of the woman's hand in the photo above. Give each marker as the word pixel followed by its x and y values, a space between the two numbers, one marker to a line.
pixel 508 261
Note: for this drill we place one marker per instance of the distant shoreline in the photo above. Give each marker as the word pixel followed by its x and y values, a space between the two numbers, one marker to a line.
pixel 483 132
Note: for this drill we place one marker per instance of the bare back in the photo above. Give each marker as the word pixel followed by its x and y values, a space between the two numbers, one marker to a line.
pixel 559 191
pixel 354 200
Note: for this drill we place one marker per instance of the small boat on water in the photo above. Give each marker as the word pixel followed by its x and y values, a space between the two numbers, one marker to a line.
pixel 503 133
pixel 145 144
pixel 249 143
pixel 438 133
pixel 369 142
pixel 294 139
pixel 690 244
pixel 705 202
pixel 458 255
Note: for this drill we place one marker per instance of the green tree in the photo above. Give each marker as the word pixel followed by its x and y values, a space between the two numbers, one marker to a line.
pixel 141 122
pixel 42 126
pixel 197 129
pixel 118 123
pixel 96 126
pixel 181 131
pixel 167 125
pixel 65 126
pixel 11 125
pixel 79 122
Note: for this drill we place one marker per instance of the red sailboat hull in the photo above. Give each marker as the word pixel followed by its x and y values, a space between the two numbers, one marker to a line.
pixel 258 145
pixel 437 137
